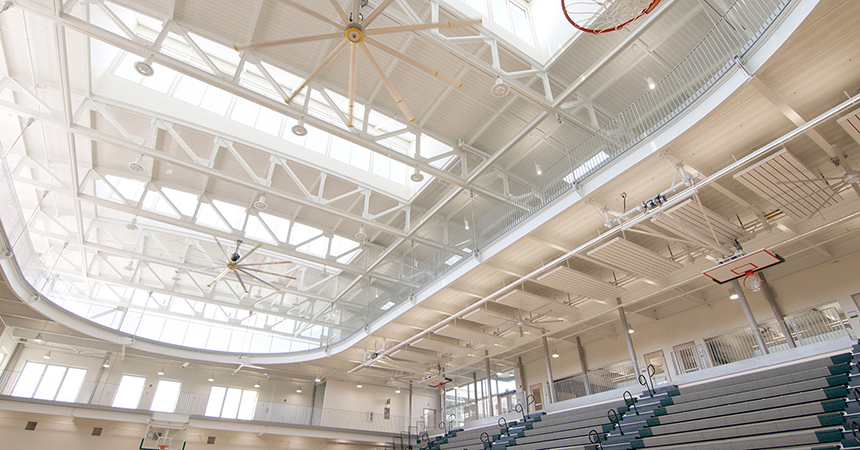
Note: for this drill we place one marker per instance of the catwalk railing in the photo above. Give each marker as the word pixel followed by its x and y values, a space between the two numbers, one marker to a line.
pixel 805 328
pixel 90 394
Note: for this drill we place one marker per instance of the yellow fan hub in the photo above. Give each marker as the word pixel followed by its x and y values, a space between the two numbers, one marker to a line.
pixel 354 34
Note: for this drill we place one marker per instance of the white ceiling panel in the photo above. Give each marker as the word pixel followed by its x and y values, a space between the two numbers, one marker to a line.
pixel 578 283
pixel 634 259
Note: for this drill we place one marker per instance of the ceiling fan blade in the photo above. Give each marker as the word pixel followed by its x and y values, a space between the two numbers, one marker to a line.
pixel 313 13
pixel 422 26
pixel 356 7
pixel 353 52
pixel 220 247
pixel 340 12
pixel 267 263
pixel 835 187
pixel 269 285
pixel 319 37
pixel 247 254
pixel 815 180
pixel 218 277
pixel 456 84
pixel 376 12
pixel 328 59
pixel 267 272
pixel 238 277
pixel 825 202
pixel 391 90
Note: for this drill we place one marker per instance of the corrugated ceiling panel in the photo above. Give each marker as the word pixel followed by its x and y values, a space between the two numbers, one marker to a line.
pixel 634 259
pixel 578 283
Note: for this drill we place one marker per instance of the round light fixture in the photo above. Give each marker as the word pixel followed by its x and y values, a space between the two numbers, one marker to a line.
pixel 38 339
pixel 397 391
pixel 47 355
pixel 651 84
pixel 161 371
pixel 734 296
pixel 261 204
pixel 317 380
pixel 299 390
pixel 417 176
pixel 211 378
pixel 132 226
pixel 299 129
pixel 106 364
pixel 257 385
pixel 361 235
pixel 136 166
pixel 144 68
pixel 359 386
pixel 631 331
pixel 500 88
pixel 555 354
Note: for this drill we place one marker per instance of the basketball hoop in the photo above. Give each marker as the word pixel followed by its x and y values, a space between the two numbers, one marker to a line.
pixel 596 16
pixel 752 281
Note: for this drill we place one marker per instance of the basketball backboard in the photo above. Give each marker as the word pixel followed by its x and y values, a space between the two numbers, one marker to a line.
pixel 738 267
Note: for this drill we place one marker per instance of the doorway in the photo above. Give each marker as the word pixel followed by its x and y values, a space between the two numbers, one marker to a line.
pixel 537 391
pixel 657 360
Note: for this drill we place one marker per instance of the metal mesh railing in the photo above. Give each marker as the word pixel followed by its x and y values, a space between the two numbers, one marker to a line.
pixel 803 328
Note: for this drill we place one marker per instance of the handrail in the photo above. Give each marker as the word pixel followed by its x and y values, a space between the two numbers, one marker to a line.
pixel 485 438
pixel 503 420
pixel 519 408
pixel 530 400
pixel 594 438
pixel 855 430
pixel 651 371
pixel 630 401
pixel 615 419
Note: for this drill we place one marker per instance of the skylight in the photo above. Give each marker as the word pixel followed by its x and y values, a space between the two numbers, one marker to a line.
pixel 587 166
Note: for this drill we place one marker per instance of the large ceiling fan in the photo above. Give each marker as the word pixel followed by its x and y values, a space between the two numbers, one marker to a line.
pixel 356 33
pixel 235 263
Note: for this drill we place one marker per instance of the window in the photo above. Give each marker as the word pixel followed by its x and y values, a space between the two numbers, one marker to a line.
pixel 49 382
pixel 129 391
pixel 166 395
pixel 231 403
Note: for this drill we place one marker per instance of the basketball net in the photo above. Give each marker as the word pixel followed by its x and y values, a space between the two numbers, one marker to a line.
pixel 752 281
pixel 162 447
pixel 603 16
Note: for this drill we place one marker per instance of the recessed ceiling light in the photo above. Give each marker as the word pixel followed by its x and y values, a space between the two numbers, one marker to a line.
pixel 417 176
pixel 361 235
pixel 132 226
pixel 299 129
pixel 136 165
pixel 144 68
pixel 261 204
pixel 500 88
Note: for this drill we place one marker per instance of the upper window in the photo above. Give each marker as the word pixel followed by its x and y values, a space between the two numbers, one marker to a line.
pixel 128 392
pixel 49 382
pixel 231 403
pixel 508 13
pixel 166 395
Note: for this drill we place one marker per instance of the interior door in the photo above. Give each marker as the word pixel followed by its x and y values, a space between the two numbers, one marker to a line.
pixel 537 391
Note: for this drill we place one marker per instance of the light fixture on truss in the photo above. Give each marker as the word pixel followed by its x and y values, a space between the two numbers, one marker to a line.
pixel 235 264
pixel 355 33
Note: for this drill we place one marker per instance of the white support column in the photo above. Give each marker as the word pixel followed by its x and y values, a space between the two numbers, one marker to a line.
pixel 777 312
pixel 584 364
pixel 546 356
pixel 628 337
pixel 750 318
pixel 490 410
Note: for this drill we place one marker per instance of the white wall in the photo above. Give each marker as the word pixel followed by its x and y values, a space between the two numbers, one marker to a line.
pixel 341 395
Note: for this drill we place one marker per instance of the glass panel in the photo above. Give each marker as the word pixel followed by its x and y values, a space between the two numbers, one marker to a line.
pixel 231 403
pixel 500 13
pixel 246 407
pixel 71 385
pixel 129 391
pixel 190 90
pixel 166 395
pixel 50 383
pixel 216 401
pixel 29 380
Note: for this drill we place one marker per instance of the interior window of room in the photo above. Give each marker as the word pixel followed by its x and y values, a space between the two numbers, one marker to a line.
pixel 128 392
pixel 49 382
pixel 231 403
pixel 166 395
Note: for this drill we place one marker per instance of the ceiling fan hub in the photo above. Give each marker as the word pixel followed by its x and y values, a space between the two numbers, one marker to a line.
pixel 354 33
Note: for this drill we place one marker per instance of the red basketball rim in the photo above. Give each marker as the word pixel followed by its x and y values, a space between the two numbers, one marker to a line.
pixel 617 27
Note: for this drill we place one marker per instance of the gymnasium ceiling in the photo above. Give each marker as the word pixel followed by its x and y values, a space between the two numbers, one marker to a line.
pixel 157 231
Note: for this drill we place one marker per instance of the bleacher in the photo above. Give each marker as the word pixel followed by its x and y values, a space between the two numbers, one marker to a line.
pixel 813 405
